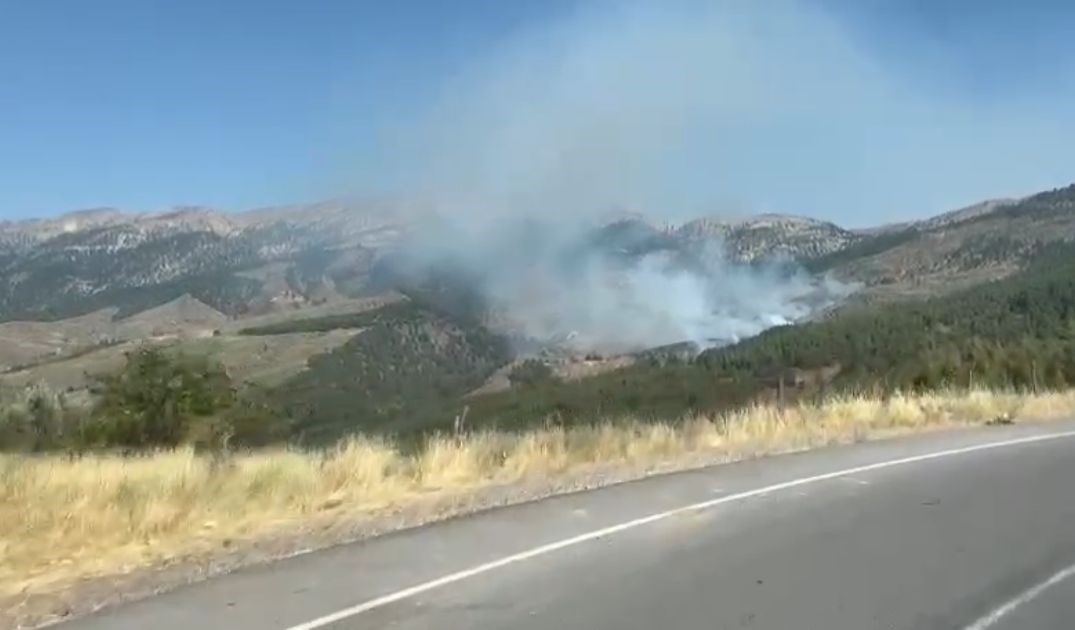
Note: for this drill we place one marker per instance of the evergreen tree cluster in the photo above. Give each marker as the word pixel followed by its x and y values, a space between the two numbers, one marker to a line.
pixel 405 372
pixel 1019 332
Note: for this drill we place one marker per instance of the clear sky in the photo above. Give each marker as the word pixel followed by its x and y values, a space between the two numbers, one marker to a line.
pixel 858 112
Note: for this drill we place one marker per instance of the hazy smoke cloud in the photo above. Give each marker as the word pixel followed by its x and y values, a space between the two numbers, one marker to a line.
pixel 656 300
pixel 528 152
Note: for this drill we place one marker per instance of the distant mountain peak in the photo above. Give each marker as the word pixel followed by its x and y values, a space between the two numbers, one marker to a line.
pixel 770 235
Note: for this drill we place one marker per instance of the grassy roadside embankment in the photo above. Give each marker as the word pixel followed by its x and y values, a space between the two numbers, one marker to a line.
pixel 65 519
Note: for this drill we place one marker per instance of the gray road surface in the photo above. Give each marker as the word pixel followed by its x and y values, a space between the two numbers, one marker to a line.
pixel 938 543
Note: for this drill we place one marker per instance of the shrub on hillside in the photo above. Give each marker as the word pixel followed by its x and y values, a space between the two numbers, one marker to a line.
pixel 530 372
pixel 159 400
pixel 35 419
pixel 252 421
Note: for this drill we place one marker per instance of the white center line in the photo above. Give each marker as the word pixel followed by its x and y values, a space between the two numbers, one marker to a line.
pixel 596 534
pixel 1000 612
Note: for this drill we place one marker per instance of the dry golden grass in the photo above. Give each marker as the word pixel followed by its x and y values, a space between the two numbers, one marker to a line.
pixel 62 519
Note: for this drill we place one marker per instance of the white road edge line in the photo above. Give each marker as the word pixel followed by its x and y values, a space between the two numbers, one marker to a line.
pixel 1002 611
pixel 417 589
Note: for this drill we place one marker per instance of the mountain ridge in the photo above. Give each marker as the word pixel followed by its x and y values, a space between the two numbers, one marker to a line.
pixel 289 256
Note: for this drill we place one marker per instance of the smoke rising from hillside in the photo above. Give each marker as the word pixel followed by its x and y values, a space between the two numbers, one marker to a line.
pixel 528 153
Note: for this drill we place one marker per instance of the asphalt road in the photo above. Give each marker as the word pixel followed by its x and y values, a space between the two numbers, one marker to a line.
pixel 968 530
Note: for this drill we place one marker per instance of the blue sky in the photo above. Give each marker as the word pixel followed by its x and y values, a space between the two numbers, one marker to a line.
pixel 858 112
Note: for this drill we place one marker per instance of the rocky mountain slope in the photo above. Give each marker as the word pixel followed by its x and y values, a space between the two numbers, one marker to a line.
pixel 770 235
pixel 291 257
pixel 244 263
pixel 987 241
pixel 279 258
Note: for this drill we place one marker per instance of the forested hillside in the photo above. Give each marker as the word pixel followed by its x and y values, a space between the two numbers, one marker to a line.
pixel 406 371
pixel 1017 332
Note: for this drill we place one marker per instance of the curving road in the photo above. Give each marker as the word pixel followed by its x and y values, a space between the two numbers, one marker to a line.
pixel 966 530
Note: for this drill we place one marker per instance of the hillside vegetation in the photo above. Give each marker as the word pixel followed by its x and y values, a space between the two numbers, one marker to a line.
pixel 406 372
pixel 159 399
pixel 409 371
pixel 1016 332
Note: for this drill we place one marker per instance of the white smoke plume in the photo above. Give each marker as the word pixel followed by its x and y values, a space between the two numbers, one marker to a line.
pixel 528 152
